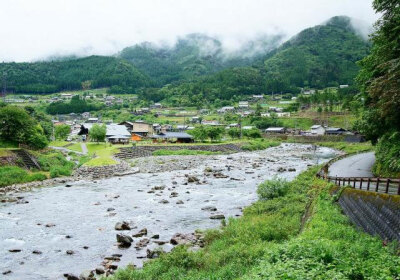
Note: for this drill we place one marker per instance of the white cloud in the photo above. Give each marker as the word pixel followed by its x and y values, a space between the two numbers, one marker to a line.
pixel 35 29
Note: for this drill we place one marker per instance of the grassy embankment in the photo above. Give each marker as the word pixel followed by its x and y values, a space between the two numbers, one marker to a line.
pixel 102 153
pixel 348 148
pixel 273 240
pixel 53 164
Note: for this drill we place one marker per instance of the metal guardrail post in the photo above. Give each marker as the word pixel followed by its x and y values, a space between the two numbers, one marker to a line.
pixel 361 181
pixel 377 185
pixel 387 185
pixel 369 183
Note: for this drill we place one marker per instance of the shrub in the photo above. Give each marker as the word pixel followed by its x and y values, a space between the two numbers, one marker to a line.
pixel 273 188
pixel 259 145
pixel 56 171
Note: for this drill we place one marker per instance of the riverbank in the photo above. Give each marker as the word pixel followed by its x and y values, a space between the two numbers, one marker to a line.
pixel 73 225
pixel 301 235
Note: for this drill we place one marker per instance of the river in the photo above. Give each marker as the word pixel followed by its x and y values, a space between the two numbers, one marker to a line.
pixel 80 217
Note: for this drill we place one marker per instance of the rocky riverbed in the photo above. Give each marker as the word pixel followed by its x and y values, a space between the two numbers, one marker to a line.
pixel 100 225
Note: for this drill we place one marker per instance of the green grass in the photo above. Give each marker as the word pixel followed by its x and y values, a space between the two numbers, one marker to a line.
pixel 14 175
pixel 58 143
pixel 183 152
pixel 349 148
pixel 268 243
pixel 75 147
pixel 299 123
pixel 100 161
pixel 5 152
pixel 260 144
pixel 103 153
pixel 7 144
pixel 55 163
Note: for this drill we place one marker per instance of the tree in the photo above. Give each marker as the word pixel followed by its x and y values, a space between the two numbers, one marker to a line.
pixel 15 124
pixel 215 133
pixel 252 133
pixel 61 131
pixel 199 133
pixel 98 133
pixel 234 132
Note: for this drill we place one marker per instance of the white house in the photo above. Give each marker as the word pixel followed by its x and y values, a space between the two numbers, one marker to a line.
pixel 317 130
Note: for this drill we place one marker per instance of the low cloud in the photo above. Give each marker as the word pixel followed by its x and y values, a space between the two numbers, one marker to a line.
pixel 33 30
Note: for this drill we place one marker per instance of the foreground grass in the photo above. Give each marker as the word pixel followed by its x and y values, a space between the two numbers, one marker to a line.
pixel 349 148
pixel 183 152
pixel 268 243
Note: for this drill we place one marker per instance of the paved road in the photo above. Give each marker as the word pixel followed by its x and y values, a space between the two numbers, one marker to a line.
pixel 84 148
pixel 359 165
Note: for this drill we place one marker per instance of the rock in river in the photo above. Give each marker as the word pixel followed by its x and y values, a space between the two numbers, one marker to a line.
pixel 124 240
pixel 141 233
pixel 122 226
pixel 217 217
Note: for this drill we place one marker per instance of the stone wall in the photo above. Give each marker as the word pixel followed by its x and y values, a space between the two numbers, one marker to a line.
pixel 94 172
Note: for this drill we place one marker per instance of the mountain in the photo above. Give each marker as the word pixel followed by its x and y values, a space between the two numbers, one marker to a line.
pixel 55 76
pixel 194 55
pixel 321 56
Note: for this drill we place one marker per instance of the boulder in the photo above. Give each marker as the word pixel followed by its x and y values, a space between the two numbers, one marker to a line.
pixel 87 275
pixel 124 240
pixel 152 254
pixel 173 194
pixel 70 252
pixel 292 169
pixel 122 226
pixel 217 217
pixel 142 243
pixel 155 236
pixel 180 238
pixel 71 276
pixel 141 233
pixel 209 208
pixel 163 201
pixel 192 179
pixel 179 202
pixel 281 169
pixel 36 252
pixel 99 270
pixel 158 188
pixel 110 209
pixel 14 250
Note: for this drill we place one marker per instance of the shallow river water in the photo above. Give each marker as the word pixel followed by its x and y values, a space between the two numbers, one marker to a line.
pixel 80 211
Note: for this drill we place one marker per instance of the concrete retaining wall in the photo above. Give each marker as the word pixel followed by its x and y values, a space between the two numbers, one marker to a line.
pixel 375 213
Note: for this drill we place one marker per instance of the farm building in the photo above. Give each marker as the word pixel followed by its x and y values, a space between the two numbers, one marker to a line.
pixel 178 137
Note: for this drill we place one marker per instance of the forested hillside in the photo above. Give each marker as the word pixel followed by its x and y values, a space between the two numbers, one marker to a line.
pixel 198 68
pixel 54 76
pixel 194 55
pixel 321 56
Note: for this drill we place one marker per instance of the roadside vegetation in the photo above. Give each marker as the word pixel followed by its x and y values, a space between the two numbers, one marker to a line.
pixel 272 241
pixel 348 148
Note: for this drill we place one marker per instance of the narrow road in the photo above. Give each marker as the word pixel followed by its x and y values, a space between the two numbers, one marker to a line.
pixel 84 148
pixel 359 165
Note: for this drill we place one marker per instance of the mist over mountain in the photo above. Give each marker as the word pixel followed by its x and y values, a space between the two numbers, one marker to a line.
pixel 195 55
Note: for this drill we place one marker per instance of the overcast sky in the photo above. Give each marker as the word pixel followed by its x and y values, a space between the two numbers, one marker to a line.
pixel 34 29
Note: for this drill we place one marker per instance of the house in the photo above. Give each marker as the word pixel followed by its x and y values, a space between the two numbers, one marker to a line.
pixel 195 120
pixel 256 98
pixel 181 127
pixel 343 86
pixel 276 109
pixel 226 109
pixel 243 104
pixel 206 122
pixel 275 130
pixel 248 127
pixel 85 115
pixel 335 131
pixel 178 137
pixel 317 130
pixel 92 120
pixel 283 114
pixel 138 127
pixel 136 137
pixel 114 133
pixel 66 95
pixel 156 106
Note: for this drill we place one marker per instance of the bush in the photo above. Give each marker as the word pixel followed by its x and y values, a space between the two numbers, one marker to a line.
pixel 388 155
pixel 57 171
pixel 273 188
